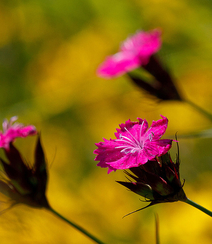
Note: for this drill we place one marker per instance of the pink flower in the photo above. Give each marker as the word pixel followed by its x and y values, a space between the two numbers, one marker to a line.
pixel 134 52
pixel 134 145
pixel 13 130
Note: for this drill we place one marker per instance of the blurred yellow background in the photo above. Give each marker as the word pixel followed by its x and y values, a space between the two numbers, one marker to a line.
pixel 49 53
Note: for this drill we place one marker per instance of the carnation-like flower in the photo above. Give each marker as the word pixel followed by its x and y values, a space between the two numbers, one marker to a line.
pixel 13 130
pixel 134 145
pixel 134 52
pixel 23 183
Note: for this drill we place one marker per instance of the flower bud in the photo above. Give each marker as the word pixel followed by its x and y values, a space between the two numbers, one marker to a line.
pixel 25 184
pixel 157 181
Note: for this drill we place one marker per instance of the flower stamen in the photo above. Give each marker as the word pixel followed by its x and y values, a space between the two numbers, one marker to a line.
pixel 133 145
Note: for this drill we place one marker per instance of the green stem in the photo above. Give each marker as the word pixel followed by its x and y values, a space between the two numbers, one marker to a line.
pixel 199 109
pixel 76 226
pixel 198 207
pixel 157 229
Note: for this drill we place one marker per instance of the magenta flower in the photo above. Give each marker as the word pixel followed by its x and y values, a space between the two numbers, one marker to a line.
pixel 13 130
pixel 134 145
pixel 134 52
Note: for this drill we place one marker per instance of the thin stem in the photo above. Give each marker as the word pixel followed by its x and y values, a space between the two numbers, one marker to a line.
pixel 76 226
pixel 198 207
pixel 199 109
pixel 157 229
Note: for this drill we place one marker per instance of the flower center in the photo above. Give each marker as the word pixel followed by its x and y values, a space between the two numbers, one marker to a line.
pixel 130 144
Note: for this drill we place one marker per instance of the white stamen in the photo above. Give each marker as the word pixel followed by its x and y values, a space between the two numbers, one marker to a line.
pixel 132 145
pixel 141 131
pixel 127 140
pixel 131 135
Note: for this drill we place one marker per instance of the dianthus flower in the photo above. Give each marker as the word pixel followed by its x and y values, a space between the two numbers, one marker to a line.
pixel 134 145
pixel 134 52
pixel 23 183
pixel 19 181
pixel 13 130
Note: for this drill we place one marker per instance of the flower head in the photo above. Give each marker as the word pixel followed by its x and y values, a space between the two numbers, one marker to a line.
pixel 23 183
pixel 13 130
pixel 135 51
pixel 134 145
pixel 157 181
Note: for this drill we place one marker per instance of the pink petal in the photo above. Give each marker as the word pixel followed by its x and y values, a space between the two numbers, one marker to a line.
pixel 134 52
pixel 129 161
pixel 12 131
pixel 158 128
pixel 118 64
pixel 137 129
pixel 157 148
pixel 134 145
pixel 143 43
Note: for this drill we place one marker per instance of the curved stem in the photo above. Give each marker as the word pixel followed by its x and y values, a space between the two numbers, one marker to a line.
pixel 199 109
pixel 76 226
pixel 208 212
